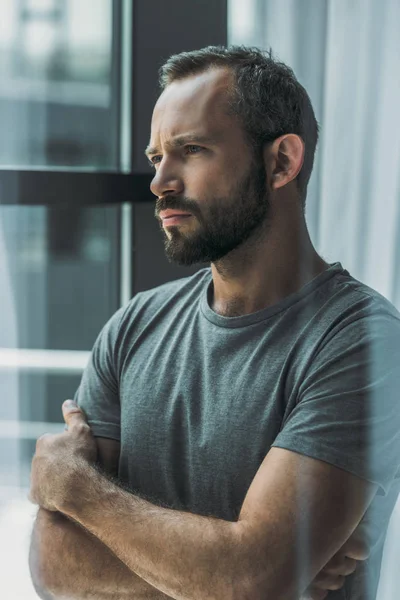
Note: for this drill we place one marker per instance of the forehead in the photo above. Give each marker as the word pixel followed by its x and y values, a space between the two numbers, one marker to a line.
pixel 195 104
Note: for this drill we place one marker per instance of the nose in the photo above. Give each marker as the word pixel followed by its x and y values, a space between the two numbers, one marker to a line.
pixel 166 181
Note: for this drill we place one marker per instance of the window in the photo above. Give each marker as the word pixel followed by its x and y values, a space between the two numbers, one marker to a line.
pixel 77 231
pixel 63 271
pixel 59 90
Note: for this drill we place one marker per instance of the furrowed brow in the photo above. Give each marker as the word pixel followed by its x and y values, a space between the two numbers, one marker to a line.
pixel 180 141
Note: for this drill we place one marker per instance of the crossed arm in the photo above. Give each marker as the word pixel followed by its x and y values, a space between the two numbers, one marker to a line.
pixel 252 560
pixel 66 561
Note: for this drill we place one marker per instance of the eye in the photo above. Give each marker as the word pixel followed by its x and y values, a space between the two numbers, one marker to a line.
pixel 153 161
pixel 193 146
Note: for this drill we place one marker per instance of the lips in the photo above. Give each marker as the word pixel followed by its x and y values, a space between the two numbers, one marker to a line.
pixel 165 214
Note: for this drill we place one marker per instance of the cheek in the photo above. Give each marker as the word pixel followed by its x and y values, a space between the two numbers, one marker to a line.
pixel 209 182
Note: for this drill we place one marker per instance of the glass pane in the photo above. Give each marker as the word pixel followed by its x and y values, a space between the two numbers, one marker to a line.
pixel 59 275
pixel 58 100
pixel 33 407
pixel 59 284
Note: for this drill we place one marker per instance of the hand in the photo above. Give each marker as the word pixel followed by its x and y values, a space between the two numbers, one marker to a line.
pixel 331 577
pixel 343 563
pixel 59 459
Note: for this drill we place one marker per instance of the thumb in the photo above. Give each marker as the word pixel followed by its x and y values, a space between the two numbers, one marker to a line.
pixel 72 413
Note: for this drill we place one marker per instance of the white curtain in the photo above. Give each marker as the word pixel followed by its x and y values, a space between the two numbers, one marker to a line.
pixel 346 53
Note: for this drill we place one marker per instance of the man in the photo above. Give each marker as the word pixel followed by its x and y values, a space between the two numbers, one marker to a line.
pixel 247 416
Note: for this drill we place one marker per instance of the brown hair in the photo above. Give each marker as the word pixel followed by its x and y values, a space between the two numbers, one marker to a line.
pixel 266 97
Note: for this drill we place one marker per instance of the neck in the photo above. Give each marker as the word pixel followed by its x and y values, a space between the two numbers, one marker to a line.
pixel 275 262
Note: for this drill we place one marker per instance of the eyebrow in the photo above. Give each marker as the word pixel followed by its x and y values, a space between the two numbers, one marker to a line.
pixel 181 140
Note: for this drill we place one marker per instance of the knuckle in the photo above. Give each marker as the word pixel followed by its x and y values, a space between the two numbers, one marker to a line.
pixel 360 550
pixel 42 438
pixel 82 428
pixel 357 546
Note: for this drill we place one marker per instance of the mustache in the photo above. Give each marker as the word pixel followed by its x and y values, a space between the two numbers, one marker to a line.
pixel 176 203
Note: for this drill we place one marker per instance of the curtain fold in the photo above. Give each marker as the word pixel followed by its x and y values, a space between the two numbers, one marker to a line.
pixel 347 55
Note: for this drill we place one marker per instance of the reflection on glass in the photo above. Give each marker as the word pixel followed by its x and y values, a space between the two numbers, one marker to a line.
pixel 57 101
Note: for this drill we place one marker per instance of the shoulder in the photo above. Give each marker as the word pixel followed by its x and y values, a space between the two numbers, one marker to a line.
pixel 350 307
pixel 173 295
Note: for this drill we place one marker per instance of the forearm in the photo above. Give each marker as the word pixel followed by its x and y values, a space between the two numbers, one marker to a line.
pixel 68 562
pixel 187 556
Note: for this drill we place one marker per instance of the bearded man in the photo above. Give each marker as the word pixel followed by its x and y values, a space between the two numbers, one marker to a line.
pixel 236 433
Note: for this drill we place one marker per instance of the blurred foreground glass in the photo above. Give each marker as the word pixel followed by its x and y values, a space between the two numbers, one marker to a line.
pixel 59 284
pixel 58 92
pixel 59 276
pixel 60 265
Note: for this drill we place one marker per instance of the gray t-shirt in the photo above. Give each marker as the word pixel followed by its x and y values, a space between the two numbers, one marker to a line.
pixel 198 399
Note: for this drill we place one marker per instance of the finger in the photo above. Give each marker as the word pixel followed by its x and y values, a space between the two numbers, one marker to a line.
pixel 342 565
pixel 72 414
pixel 358 549
pixel 359 543
pixel 314 594
pixel 325 581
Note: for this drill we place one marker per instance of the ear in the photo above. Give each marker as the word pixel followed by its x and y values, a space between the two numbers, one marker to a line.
pixel 284 159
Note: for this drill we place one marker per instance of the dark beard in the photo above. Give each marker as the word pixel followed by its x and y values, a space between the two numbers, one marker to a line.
pixel 227 223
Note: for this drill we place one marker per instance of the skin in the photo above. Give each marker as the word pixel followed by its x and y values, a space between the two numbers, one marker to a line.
pixel 59 546
pixel 247 220
pixel 98 573
pixel 247 217
pixel 175 551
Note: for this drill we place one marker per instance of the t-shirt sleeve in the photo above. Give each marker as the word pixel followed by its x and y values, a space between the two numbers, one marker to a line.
pixel 98 392
pixel 348 411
